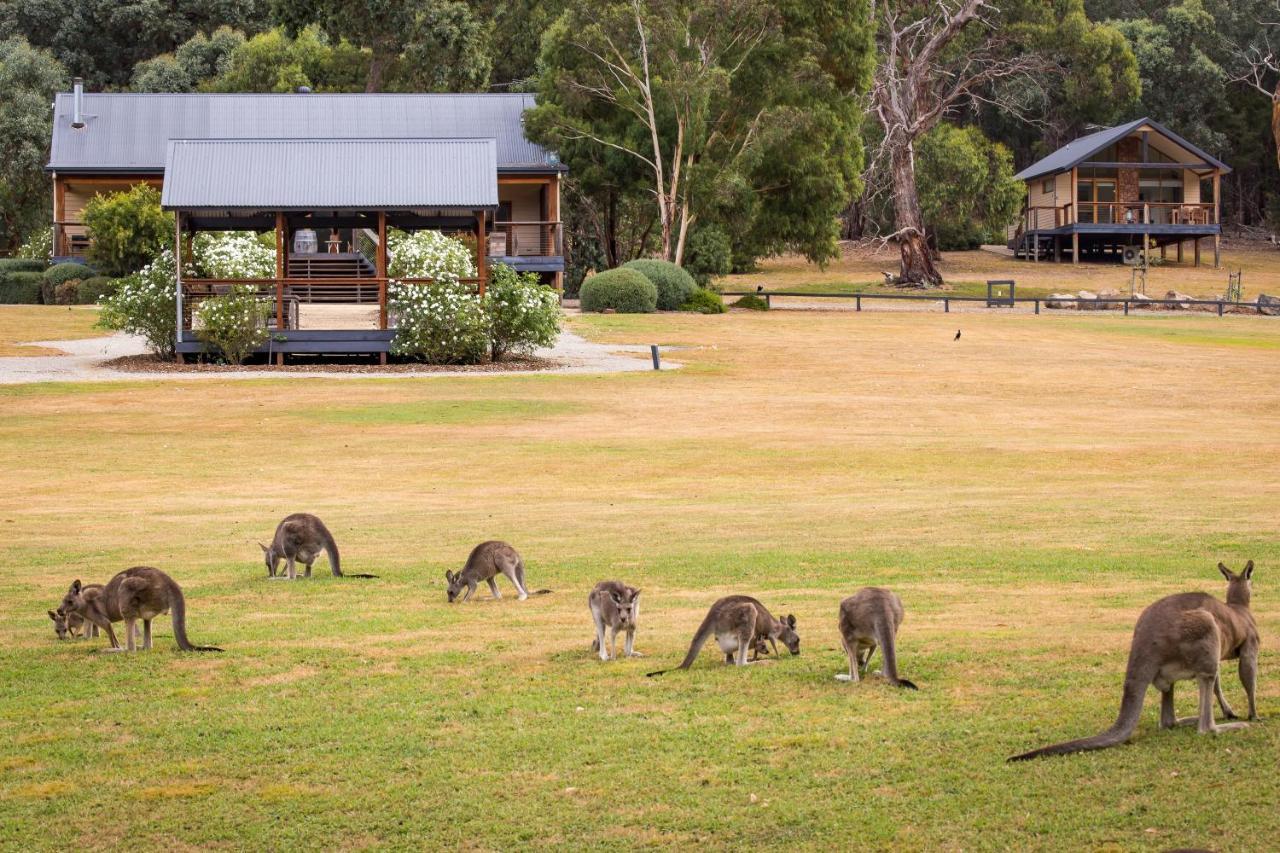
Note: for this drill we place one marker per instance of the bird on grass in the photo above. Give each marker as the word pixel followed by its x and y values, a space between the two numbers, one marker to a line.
pixel 957 337
pixel 759 288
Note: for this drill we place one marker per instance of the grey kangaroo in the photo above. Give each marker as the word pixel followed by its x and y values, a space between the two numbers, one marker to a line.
pixel 299 539
pixel 73 625
pixel 739 623
pixel 869 619
pixel 141 593
pixel 615 606
pixel 1178 638
pixel 486 561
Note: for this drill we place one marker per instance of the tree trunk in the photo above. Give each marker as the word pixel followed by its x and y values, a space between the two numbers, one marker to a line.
pixel 1275 120
pixel 377 67
pixel 917 261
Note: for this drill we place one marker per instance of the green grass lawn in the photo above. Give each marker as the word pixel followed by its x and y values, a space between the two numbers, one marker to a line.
pixel 1026 491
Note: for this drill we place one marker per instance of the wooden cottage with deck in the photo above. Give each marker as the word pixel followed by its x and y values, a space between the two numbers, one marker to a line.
pixel 328 175
pixel 1134 185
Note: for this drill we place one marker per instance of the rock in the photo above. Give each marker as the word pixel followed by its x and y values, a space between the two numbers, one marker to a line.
pixel 1088 301
pixel 1175 296
pixel 1269 305
pixel 609 311
pixel 1055 301
pixel 1140 300
pixel 1105 302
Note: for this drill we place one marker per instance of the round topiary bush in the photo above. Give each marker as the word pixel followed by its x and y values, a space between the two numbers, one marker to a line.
pixel 675 286
pixel 704 301
pixel 58 273
pixel 20 288
pixel 625 291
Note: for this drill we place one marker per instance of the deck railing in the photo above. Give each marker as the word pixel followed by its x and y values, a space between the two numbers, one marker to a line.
pixel 526 239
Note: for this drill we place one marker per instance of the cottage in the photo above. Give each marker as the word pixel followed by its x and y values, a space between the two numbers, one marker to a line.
pixel 1134 185
pixel 328 174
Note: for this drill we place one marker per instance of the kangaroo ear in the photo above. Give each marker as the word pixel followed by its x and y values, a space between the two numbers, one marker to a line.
pixel 635 594
pixel 53 616
pixel 448 575
pixel 791 621
pixel 1226 573
pixel 617 599
pixel 1248 570
pixel 264 548
pixel 75 585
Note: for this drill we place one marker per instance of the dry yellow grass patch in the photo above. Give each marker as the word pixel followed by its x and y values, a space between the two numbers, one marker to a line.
pixel 22 323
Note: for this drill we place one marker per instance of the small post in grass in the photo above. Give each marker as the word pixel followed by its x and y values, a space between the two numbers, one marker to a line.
pixel 653 351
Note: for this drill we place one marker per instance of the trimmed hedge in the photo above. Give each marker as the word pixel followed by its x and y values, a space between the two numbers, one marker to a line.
pixel 675 286
pixel 704 301
pixel 58 273
pixel 20 288
pixel 93 290
pixel 625 291
pixel 752 303
pixel 8 265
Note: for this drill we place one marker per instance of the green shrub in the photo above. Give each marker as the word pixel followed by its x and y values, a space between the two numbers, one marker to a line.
pixel 752 303
pixel 8 265
pixel 708 254
pixel 129 230
pixel 58 273
pixel 39 247
pixel 94 290
pixel 440 323
pixel 20 288
pixel 625 291
pixel 146 304
pixel 675 286
pixel 704 301
pixel 235 323
pixel 65 292
pixel 523 314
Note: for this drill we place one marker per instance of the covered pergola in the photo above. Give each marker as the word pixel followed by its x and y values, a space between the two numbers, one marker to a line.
pixel 364 186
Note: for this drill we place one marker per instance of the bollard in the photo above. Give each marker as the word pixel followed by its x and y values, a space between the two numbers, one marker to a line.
pixel 1126 308
pixel 653 351
pixel 946 306
pixel 1219 309
pixel 858 300
pixel 1037 306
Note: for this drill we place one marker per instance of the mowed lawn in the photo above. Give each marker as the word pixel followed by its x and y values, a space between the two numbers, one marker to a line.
pixel 1027 491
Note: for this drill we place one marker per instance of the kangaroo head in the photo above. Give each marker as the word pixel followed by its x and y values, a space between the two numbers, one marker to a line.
pixel 1239 586
pixel 627 603
pixel 456 584
pixel 786 632
pixel 70 601
pixel 59 618
pixel 269 557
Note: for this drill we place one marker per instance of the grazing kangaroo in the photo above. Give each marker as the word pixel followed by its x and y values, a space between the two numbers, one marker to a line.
pixel 66 624
pixel 1181 637
pixel 486 561
pixel 869 619
pixel 740 624
pixel 140 593
pixel 300 538
pixel 615 606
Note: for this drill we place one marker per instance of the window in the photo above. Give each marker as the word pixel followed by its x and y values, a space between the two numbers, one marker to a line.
pixel 1047 186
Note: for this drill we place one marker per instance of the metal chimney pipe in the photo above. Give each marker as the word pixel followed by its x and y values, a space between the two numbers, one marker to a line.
pixel 77 99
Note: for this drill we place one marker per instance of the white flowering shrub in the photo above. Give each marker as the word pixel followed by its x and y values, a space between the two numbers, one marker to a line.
pixel 232 254
pixel 236 322
pixel 523 314
pixel 428 254
pixel 442 323
pixel 39 246
pixel 146 304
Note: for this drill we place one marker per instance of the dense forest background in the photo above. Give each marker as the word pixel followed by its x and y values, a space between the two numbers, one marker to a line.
pixel 732 129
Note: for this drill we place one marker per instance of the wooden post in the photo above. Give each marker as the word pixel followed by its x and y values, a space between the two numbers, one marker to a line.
pixel 1217 196
pixel 480 252
pixel 1217 251
pixel 1180 242
pixel 381 271
pixel 177 282
pixel 281 248
pixel 59 214
pixel 557 233
pixel 1197 251
pixel 1075 247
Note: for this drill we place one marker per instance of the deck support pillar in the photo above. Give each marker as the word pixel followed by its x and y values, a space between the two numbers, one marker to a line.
pixel 1075 247
pixel 1180 242
pixel 177 281
pixel 280 268
pixel 1197 251
pixel 481 252
pixel 1057 250
pixel 1217 251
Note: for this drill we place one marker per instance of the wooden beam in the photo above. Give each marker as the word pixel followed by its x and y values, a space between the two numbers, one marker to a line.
pixel 1075 247
pixel 281 249
pixel 380 267
pixel 1217 196
pixel 527 179
pixel 59 208
pixel 481 252
pixel 1197 251
pixel 177 283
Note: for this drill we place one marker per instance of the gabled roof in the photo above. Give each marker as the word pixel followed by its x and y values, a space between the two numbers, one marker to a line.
pixel 1078 150
pixel 129 132
pixel 322 174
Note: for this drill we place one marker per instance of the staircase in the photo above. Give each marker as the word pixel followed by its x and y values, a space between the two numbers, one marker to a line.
pixel 326 265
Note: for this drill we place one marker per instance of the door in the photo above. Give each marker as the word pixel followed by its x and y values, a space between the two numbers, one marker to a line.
pixel 1095 197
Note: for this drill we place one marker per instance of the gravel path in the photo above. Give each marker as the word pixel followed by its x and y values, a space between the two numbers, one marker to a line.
pixel 84 359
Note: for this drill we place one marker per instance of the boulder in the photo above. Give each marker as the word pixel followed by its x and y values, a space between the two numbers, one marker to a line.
pixel 1055 301
pixel 1088 301
pixel 1269 305
pixel 1140 300
pixel 1105 300
pixel 1175 296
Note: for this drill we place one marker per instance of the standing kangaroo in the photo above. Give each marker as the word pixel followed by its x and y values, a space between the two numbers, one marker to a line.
pixel 615 606
pixel 138 593
pixel 71 624
pixel 486 561
pixel 300 538
pixel 1181 637
pixel 740 624
pixel 869 619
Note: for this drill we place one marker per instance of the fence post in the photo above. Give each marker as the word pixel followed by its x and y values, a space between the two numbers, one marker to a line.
pixel 858 299
pixel 768 301
pixel 1126 308
pixel 1219 307
pixel 946 305
pixel 1037 306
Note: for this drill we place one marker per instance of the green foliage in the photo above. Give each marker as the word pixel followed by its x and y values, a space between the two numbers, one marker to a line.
pixel 59 273
pixel 128 228
pixel 522 313
pixel 429 254
pixel 233 254
pixel 752 303
pixel 622 290
pixel 28 80
pixel 200 58
pixel 20 288
pixel 38 247
pixel 94 290
pixel 234 323
pixel 274 62
pixel 442 323
pixel 64 293
pixel 674 285
pixel 708 254
pixel 20 264
pixel 146 304
pixel 967 191
pixel 704 301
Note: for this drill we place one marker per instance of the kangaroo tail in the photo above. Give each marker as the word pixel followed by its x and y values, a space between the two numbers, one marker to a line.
pixel 1135 689
pixel 178 607
pixel 699 640
pixel 331 551
pixel 889 652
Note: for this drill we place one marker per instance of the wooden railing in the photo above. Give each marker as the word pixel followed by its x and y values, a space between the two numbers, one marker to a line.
pixel 526 239
pixel 70 238
pixel 1147 213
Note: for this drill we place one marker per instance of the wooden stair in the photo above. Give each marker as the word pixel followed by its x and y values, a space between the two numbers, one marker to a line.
pixel 330 265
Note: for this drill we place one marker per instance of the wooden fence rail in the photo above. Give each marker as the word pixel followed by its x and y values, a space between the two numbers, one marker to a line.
pixel 946 300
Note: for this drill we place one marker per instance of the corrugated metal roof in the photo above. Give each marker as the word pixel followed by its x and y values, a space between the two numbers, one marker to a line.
pixel 1078 150
pixel 323 174
pixel 130 131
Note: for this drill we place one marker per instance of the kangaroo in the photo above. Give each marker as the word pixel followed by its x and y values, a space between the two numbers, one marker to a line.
pixel 615 606
pixel 486 561
pixel 740 624
pixel 66 624
pixel 868 619
pixel 140 593
pixel 300 538
pixel 1178 638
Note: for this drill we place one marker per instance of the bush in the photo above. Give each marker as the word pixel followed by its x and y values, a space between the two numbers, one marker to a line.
pixel 752 303
pixel 675 286
pixel 235 323
pixel 146 304
pixel 625 291
pixel 522 313
pixel 128 229
pixel 8 265
pixel 441 323
pixel 429 254
pixel 233 254
pixel 65 293
pixel 708 254
pixel 20 288
pixel 58 273
pixel 704 301
pixel 94 290
pixel 39 247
